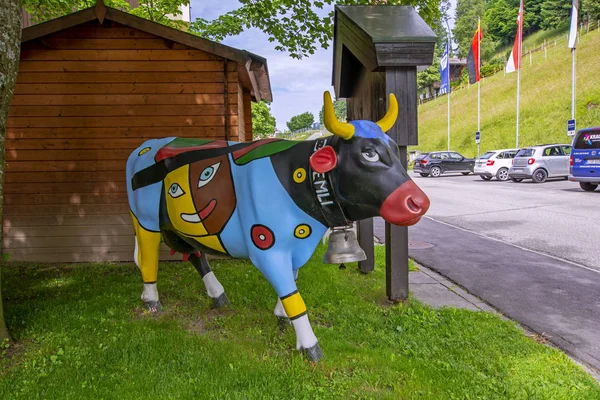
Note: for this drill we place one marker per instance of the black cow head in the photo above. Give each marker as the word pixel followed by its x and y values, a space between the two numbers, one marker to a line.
pixel 365 166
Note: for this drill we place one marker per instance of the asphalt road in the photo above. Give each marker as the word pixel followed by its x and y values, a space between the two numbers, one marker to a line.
pixel 555 218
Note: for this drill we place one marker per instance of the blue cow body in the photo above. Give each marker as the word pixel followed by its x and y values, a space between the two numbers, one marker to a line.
pixel 270 201
pixel 263 201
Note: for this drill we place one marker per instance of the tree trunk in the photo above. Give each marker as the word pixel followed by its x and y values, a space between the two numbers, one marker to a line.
pixel 10 49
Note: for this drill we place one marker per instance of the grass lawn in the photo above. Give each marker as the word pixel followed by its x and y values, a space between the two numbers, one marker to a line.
pixel 81 333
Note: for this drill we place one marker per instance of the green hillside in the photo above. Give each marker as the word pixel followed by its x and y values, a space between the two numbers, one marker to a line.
pixel 545 103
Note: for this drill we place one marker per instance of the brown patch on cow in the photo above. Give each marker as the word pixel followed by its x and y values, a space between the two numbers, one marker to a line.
pixel 215 200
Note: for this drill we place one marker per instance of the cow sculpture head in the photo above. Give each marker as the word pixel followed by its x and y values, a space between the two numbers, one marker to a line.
pixel 366 171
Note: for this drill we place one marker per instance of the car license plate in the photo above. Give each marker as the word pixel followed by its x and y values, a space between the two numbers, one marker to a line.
pixel 517 169
pixel 593 162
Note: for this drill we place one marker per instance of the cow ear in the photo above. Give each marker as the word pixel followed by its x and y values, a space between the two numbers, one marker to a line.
pixel 323 160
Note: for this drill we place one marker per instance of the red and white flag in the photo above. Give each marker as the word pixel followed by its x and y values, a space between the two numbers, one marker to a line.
pixel 573 30
pixel 514 61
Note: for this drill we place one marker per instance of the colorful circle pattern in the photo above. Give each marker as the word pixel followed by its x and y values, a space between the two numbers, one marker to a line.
pixel 302 231
pixel 299 175
pixel 262 237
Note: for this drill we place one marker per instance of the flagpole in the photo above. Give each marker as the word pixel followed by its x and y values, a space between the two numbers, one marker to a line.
pixel 479 84
pixel 573 83
pixel 573 45
pixel 448 44
pixel 520 39
pixel 448 100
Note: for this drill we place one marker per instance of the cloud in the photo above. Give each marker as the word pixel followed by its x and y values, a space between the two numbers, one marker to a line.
pixel 297 85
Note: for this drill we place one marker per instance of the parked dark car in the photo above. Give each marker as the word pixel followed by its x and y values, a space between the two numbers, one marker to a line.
pixel 442 162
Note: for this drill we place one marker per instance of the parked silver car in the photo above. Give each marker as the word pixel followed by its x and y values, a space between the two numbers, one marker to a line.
pixel 541 162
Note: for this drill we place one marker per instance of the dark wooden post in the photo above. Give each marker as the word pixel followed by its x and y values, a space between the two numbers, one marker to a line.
pixel 377 50
pixel 403 82
pixel 365 240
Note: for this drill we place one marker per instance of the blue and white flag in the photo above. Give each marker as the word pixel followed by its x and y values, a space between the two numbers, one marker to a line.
pixel 445 72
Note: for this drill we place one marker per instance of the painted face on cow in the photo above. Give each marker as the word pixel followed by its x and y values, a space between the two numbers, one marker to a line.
pixel 200 196
pixel 370 179
pixel 180 204
pixel 213 194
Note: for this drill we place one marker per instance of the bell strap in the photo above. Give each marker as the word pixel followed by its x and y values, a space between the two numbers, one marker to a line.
pixel 324 194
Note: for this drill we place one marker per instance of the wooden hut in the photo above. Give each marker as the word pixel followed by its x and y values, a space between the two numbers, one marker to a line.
pixel 92 86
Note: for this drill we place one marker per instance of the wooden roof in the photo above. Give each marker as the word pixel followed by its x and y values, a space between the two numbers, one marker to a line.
pixel 252 68
pixel 377 37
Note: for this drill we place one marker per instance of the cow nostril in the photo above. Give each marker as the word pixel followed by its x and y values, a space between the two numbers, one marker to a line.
pixel 413 206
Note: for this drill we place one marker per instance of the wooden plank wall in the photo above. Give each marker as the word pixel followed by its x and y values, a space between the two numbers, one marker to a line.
pixel 248 115
pixel 85 98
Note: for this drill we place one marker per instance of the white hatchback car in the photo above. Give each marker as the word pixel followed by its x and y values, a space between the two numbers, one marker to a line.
pixel 495 163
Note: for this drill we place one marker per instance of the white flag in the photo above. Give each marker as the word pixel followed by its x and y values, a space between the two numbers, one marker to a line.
pixel 573 30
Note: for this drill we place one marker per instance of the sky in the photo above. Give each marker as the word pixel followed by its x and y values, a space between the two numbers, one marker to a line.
pixel 297 85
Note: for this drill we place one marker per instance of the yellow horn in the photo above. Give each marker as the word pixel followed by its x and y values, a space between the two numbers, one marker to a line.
pixel 341 129
pixel 389 119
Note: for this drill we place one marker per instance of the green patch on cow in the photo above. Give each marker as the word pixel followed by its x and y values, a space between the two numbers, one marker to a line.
pixel 265 150
pixel 81 332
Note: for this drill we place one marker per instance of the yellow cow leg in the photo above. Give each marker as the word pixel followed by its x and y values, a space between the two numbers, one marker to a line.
pixel 147 245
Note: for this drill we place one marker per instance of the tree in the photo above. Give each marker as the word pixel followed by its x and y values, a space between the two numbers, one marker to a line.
pixel 555 13
pixel 426 79
pixel 44 10
pixel 500 18
pixel 160 10
pixel 295 25
pixel 10 51
pixel 154 10
pixel 302 121
pixel 263 123
pixel 591 10
pixel 340 109
pixel 465 25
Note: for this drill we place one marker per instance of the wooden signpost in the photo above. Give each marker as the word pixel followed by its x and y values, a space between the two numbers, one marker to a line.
pixel 377 50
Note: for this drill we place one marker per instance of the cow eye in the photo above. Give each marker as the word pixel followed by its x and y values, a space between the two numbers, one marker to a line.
pixel 176 191
pixel 208 174
pixel 370 155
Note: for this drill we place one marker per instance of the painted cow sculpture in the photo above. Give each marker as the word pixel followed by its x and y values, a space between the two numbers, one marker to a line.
pixel 269 200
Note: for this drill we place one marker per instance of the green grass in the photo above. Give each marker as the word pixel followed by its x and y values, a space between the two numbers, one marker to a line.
pixel 545 103
pixel 536 40
pixel 81 333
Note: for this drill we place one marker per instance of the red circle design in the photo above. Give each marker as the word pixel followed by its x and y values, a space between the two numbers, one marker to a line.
pixel 262 237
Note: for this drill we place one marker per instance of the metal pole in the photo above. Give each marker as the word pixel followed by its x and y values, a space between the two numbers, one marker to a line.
pixel 520 51
pixel 573 83
pixel 479 83
pixel 449 44
pixel 448 102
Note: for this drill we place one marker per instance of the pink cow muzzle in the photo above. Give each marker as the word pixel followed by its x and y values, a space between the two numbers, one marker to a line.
pixel 405 206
